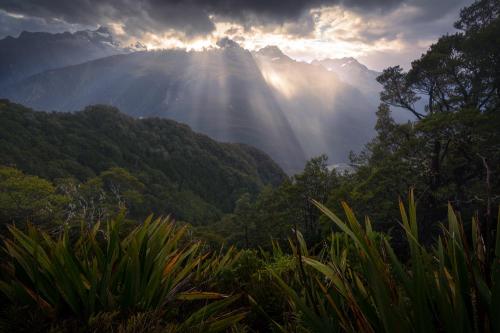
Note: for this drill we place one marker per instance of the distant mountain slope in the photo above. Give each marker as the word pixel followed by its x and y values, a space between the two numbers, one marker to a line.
pixel 218 92
pixel 35 52
pixel 351 71
pixel 327 114
pixel 185 173
pixel 354 73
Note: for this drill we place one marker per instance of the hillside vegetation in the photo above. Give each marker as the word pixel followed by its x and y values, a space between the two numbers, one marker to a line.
pixel 162 166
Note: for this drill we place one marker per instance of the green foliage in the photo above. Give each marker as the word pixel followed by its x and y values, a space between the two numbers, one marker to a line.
pixel 252 274
pixel 180 172
pixel 101 197
pixel 449 288
pixel 152 268
pixel 25 198
pixel 270 216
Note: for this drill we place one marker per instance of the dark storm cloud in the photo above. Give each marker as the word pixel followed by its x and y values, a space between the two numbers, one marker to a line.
pixel 410 21
pixel 192 17
pixel 12 26
pixel 136 16
pixel 178 12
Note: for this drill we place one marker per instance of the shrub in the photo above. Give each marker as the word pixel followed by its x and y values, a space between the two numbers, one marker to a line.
pixel 452 287
pixel 152 268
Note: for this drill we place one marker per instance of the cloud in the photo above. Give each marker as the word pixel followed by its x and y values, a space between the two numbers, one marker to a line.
pixel 314 27
pixel 13 24
pixel 136 17
pixel 195 17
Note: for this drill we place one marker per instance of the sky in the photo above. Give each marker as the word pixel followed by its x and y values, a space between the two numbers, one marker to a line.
pixel 379 33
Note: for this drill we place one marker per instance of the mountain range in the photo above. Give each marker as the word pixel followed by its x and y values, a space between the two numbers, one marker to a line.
pixel 34 52
pixel 291 110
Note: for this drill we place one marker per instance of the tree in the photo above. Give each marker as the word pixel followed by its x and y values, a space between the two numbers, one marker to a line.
pixel 101 197
pixel 124 188
pixel 25 198
pixel 478 15
pixel 314 183
pixel 451 151
pixel 243 211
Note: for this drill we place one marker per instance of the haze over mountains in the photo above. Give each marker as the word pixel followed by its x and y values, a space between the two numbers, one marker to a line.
pixel 291 110
pixel 327 115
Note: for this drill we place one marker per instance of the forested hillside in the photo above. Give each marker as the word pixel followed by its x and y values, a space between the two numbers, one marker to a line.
pixel 171 169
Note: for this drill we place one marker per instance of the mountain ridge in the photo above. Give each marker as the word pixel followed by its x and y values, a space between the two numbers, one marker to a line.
pixel 34 52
